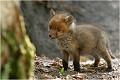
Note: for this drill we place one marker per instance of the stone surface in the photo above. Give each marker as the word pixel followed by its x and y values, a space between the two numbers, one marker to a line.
pixel 104 14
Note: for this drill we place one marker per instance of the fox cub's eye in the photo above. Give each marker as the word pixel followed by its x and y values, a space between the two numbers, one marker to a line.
pixel 59 30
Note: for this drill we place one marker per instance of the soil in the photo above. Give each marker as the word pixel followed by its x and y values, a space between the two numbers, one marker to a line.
pixel 46 68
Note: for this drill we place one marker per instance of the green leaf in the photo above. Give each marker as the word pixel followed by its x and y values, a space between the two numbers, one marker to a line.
pixel 61 71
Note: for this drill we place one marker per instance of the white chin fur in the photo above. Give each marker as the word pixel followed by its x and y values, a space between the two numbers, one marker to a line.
pixel 72 26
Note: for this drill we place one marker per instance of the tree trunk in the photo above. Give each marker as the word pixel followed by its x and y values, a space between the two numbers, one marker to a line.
pixel 17 52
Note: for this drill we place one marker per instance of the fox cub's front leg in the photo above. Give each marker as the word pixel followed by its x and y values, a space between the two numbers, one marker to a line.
pixel 76 59
pixel 65 56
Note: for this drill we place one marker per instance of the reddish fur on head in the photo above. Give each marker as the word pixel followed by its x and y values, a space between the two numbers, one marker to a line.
pixel 59 25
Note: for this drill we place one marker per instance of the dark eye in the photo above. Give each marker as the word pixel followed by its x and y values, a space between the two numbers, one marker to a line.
pixel 50 26
pixel 59 30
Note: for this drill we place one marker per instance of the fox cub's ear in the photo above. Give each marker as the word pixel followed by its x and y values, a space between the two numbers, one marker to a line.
pixel 52 13
pixel 69 19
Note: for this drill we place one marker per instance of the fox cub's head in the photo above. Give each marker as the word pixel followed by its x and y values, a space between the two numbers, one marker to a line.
pixel 59 24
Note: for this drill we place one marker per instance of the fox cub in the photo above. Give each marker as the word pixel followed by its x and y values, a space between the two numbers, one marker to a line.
pixel 79 40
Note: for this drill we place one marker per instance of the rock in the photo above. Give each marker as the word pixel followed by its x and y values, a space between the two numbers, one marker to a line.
pixel 104 14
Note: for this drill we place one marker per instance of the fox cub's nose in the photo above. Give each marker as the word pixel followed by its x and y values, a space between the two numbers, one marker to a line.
pixel 49 35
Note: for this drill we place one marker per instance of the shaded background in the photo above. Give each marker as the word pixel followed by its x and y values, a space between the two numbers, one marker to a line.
pixel 104 14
